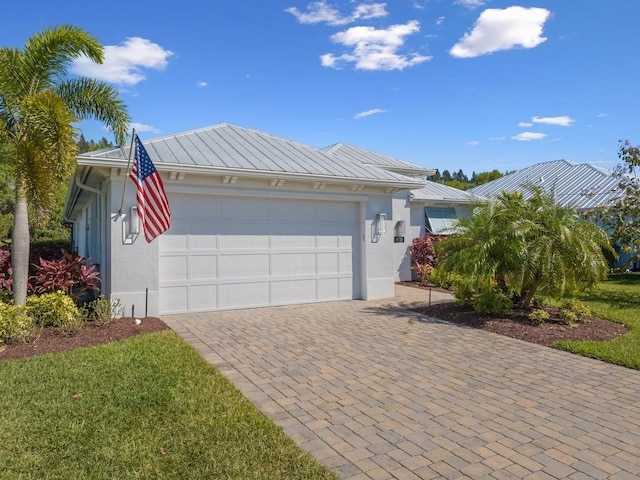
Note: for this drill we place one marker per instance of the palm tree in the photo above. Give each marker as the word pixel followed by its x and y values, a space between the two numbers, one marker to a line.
pixel 39 103
pixel 526 247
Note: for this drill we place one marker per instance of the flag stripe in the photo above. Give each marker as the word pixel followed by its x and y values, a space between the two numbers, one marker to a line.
pixel 153 205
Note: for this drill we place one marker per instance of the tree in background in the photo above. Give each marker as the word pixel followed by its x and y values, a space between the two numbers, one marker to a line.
pixel 622 217
pixel 38 106
pixel 460 181
pixel 525 247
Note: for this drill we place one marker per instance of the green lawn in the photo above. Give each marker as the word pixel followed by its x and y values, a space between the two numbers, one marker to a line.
pixel 617 299
pixel 144 408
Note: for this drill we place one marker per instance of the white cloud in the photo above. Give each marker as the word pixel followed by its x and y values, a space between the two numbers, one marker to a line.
pixel 202 84
pixel 141 127
pixel 123 64
pixel 528 136
pixel 563 121
pixel 497 139
pixel 603 114
pixel 375 49
pixel 470 3
pixel 322 12
pixel 473 143
pixel 368 113
pixel 525 124
pixel 502 29
pixel 439 21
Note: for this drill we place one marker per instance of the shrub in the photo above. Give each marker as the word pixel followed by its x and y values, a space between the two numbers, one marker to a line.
pixel 538 316
pixel 423 255
pixel 102 310
pixel 57 310
pixel 492 301
pixel 567 316
pixel 464 292
pixel 442 278
pixel 577 307
pixel 16 326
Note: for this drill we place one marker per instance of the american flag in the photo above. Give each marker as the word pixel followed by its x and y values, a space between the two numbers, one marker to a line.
pixel 153 206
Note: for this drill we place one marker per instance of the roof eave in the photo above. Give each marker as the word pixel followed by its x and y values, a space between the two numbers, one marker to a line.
pixel 239 172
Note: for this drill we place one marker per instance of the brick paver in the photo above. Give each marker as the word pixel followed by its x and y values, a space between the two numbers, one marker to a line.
pixel 375 391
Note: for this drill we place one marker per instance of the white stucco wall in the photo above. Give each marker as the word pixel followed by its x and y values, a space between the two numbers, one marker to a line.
pixel 378 261
pixel 133 263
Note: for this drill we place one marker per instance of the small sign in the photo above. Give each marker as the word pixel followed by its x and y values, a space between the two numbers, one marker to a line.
pixel 398 239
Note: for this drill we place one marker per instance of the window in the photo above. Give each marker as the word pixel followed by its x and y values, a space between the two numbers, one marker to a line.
pixel 440 220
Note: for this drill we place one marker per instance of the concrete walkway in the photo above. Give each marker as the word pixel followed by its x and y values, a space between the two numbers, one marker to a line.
pixel 377 392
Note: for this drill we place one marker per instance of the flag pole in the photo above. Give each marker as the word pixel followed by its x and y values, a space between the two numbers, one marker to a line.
pixel 124 188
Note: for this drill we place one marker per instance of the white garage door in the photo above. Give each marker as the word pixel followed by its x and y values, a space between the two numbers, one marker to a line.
pixel 235 252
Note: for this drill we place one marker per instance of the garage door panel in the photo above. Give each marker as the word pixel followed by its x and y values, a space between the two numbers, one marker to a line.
pixel 258 252
pixel 293 291
pixel 175 267
pixel 250 294
pixel 203 297
pixel 244 265
pixel 293 264
pixel 203 242
pixel 203 267
pixel 172 241
pixel 328 288
pixel 327 262
pixel 174 299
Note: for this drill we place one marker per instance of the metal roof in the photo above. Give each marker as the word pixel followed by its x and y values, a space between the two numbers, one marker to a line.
pixel 433 191
pixel 577 185
pixel 230 148
pixel 345 152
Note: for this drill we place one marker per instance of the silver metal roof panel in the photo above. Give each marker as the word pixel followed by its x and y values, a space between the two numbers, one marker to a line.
pixel 350 153
pixel 581 186
pixel 433 191
pixel 227 146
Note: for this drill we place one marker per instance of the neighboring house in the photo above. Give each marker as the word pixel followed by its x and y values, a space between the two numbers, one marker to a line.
pixel 580 186
pixel 434 208
pixel 258 220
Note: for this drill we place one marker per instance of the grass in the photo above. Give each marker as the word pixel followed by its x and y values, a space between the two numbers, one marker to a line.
pixel 144 408
pixel 617 299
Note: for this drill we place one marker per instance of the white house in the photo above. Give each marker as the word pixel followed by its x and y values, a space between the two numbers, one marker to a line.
pixel 258 220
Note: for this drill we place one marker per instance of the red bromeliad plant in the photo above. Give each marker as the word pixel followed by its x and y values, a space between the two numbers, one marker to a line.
pixel 423 254
pixel 69 274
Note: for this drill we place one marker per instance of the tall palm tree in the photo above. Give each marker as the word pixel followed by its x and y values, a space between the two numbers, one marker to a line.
pixel 39 103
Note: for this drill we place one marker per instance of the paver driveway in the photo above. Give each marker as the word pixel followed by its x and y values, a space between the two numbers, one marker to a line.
pixel 375 392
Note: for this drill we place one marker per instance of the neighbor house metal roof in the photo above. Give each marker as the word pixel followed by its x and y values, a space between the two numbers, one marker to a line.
pixel 433 191
pixel 232 149
pixel 345 152
pixel 581 186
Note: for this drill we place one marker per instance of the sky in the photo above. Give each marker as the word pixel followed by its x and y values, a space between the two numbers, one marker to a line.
pixel 474 85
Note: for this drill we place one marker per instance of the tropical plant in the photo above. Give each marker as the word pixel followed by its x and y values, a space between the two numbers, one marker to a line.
pixel 68 273
pixel 622 217
pixel 423 255
pixel 16 326
pixel 39 103
pixel 524 247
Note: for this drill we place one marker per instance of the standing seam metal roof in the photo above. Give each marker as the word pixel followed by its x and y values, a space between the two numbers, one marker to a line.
pixel 350 153
pixel 581 186
pixel 230 146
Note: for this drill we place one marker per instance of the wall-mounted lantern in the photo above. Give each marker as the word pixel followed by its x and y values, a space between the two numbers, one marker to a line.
pixel 134 221
pixel 381 223
pixel 399 232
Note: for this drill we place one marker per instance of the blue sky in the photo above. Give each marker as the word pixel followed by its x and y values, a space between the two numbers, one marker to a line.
pixel 450 84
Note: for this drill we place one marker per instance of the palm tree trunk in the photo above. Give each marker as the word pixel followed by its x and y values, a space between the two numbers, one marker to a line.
pixel 20 247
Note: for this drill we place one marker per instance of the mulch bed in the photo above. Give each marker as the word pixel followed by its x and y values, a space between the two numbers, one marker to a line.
pixel 50 341
pixel 516 323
